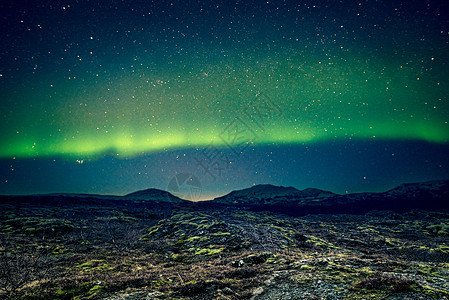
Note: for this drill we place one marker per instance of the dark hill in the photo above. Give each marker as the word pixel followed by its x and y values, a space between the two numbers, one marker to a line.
pixel 149 197
pixel 268 195
pixel 154 195
pixel 432 195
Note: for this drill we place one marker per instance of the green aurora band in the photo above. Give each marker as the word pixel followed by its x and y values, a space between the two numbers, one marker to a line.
pixel 147 108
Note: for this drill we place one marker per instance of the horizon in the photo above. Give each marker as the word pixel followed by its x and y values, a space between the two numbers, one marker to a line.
pixel 202 199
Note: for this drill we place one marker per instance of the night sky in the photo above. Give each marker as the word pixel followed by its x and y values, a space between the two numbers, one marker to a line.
pixel 111 97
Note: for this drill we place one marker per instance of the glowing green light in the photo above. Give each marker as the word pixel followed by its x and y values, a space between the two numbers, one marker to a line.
pixel 145 112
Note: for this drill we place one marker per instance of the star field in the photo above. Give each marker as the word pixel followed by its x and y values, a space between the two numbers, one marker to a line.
pixel 87 82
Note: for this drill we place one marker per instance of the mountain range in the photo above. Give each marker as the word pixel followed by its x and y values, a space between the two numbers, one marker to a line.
pixel 432 195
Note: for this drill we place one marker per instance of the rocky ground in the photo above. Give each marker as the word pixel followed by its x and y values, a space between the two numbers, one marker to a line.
pixel 110 252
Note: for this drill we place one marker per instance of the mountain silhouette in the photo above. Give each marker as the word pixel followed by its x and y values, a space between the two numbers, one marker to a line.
pixel 154 195
pixel 432 195
pixel 266 194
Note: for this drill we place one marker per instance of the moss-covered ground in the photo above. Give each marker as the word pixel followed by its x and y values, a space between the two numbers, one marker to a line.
pixel 121 252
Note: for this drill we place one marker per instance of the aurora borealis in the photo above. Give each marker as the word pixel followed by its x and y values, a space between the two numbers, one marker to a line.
pixel 138 88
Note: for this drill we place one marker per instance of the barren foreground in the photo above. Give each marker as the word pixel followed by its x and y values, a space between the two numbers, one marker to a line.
pixel 120 252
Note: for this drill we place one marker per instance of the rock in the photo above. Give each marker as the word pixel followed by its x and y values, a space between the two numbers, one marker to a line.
pixel 258 291
pixel 137 296
pixel 238 263
pixel 228 291
pixel 154 295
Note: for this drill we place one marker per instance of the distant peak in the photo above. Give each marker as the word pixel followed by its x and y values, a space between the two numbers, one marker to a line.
pixel 317 192
pixel 266 189
pixel 269 187
pixel 152 194
pixel 428 185
pixel 150 191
